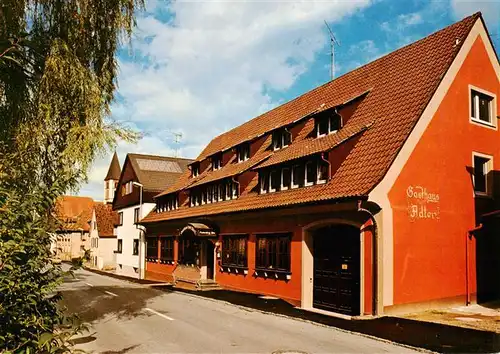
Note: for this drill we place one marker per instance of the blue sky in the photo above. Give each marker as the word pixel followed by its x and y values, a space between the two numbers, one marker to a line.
pixel 200 68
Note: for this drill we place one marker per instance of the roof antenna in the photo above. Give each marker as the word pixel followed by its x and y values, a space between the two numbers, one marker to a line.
pixel 333 42
pixel 177 141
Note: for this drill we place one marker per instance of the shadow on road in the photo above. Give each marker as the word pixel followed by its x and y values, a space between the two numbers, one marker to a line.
pixel 432 336
pixel 124 350
pixel 92 304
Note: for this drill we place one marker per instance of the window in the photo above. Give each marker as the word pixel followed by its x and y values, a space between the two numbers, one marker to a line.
pixel 481 108
pixel 323 172
pixel 328 123
pixel 96 243
pixel 152 248
pixel 274 180
pixel 482 167
pixel 195 169
pixel 120 218
pixel 273 252
pixel 136 215
pixel 127 188
pixel 297 176
pixel 311 173
pixel 216 162
pixel 264 182
pixel 285 178
pixel 167 248
pixel 281 138
pixel 243 152
pixel 119 246
pixel 135 247
pixel 234 251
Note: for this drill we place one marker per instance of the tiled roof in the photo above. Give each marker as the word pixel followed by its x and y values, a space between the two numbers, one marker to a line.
pixel 156 173
pixel 114 170
pixel 74 213
pixel 313 145
pixel 400 86
pixel 106 218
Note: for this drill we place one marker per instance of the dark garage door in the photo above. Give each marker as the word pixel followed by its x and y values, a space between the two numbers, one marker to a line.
pixel 337 269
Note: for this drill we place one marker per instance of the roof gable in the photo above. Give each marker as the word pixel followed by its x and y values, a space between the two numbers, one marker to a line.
pixel 400 86
pixel 114 170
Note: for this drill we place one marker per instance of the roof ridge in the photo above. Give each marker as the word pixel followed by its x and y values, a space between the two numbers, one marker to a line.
pixel 161 156
pixel 391 53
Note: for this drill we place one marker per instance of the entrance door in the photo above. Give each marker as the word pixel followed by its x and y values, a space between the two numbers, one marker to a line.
pixel 337 269
pixel 210 259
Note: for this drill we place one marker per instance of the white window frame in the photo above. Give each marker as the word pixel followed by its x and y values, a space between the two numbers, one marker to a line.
pixel 283 187
pixel 271 190
pixel 261 182
pixel 307 184
pixel 246 155
pixel 293 186
pixel 319 181
pixel 234 190
pixel 222 193
pixel 218 165
pixel 196 171
pixel 493 109
pixel 329 124
pixel 489 168
pixel 282 132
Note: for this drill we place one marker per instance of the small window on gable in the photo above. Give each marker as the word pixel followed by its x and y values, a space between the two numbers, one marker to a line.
pixel 311 173
pixel 243 152
pixel 323 172
pixel 281 138
pixel 195 169
pixel 286 178
pixel 328 122
pixel 482 169
pixel 274 180
pixel 216 162
pixel 481 108
pixel 297 176
pixel 264 182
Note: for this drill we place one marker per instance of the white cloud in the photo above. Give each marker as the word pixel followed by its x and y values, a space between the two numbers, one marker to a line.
pixel 489 8
pixel 211 66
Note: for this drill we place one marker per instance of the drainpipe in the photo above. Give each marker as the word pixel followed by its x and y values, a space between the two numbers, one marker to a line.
pixel 329 165
pixel 467 266
pixel 375 299
pixel 238 183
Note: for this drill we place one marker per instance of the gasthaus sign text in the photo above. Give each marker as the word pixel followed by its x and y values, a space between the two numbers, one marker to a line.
pixel 422 204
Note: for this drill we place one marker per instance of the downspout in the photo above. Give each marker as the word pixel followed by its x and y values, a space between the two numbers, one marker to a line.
pixel 468 237
pixel 238 183
pixel 375 299
pixel 329 165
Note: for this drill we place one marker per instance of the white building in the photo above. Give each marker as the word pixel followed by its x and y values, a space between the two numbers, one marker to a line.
pixel 141 179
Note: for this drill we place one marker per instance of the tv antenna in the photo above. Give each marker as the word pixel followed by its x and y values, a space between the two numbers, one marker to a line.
pixel 333 42
pixel 177 141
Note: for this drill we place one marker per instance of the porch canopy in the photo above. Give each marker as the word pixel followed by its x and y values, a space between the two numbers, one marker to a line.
pixel 198 230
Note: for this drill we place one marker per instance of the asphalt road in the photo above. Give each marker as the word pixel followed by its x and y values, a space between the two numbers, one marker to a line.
pixel 131 318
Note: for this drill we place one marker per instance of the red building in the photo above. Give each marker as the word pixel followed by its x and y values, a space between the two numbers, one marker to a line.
pixel 357 197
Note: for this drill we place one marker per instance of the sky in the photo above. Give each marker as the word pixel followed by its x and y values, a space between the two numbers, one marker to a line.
pixel 200 68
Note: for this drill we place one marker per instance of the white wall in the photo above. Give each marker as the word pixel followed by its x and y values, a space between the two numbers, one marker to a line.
pixel 126 262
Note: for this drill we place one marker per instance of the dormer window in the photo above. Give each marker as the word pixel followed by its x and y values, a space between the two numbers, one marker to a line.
pixel 281 138
pixel 243 152
pixel 328 123
pixel 216 162
pixel 195 169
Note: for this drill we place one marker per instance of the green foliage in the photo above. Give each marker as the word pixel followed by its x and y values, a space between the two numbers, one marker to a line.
pixel 57 80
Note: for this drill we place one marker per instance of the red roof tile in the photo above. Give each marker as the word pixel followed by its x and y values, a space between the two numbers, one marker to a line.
pixel 400 86
pixel 74 213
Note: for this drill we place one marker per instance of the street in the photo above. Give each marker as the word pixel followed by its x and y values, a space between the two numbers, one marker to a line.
pixel 131 318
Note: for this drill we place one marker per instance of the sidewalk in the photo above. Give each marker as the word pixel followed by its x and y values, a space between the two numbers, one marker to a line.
pixel 482 317
pixel 416 332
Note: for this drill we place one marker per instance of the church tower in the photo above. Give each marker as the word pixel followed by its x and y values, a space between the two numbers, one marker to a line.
pixel 111 179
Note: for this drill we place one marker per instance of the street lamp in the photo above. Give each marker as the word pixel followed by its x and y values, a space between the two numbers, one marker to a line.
pixel 141 238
